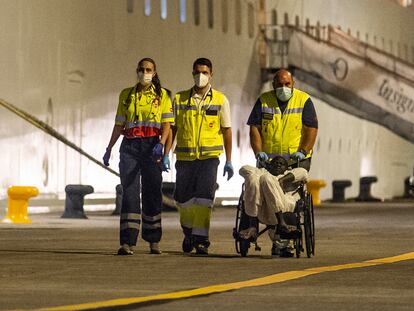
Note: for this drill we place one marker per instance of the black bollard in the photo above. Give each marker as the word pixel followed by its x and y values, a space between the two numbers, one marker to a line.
pixel 338 190
pixel 365 189
pixel 75 199
pixel 118 200
pixel 409 187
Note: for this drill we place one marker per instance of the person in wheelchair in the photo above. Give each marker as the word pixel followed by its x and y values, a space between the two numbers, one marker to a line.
pixel 270 197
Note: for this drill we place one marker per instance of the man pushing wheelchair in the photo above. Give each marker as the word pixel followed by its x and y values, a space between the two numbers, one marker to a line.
pixel 283 126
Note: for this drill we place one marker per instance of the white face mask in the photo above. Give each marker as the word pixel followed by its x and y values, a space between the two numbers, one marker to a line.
pixel 144 78
pixel 201 80
pixel 284 93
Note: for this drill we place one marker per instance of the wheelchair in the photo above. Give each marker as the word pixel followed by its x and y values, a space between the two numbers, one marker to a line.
pixel 302 218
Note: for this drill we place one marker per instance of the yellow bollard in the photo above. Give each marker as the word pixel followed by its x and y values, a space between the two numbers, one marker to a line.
pixel 314 186
pixel 18 203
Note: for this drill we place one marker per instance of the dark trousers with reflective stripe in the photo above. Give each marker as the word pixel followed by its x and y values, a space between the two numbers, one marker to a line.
pixel 195 180
pixel 139 172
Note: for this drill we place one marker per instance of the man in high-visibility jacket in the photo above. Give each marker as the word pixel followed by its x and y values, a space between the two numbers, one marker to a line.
pixel 202 129
pixel 283 122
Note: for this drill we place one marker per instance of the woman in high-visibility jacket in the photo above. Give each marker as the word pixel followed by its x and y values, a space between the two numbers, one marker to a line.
pixel 144 116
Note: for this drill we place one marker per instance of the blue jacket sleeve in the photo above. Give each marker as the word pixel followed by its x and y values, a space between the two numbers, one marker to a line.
pixel 309 117
pixel 255 117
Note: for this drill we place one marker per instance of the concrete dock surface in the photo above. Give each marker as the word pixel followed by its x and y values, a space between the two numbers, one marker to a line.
pixel 56 262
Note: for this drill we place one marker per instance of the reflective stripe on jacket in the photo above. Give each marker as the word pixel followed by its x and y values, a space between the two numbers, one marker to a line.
pixel 142 113
pixel 281 133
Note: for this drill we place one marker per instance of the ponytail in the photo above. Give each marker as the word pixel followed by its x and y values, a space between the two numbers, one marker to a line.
pixel 157 83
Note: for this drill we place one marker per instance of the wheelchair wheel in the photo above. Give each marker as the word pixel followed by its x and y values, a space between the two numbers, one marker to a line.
pixel 244 247
pixel 309 226
pixel 242 222
pixel 298 243
pixel 236 229
pixel 298 247
pixel 313 226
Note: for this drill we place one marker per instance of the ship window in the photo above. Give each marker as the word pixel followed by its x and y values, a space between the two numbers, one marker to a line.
pixel 250 20
pixel 274 22
pixel 197 12
pixel 224 15
pixel 210 10
pixel 147 7
pixel 238 17
pixel 307 26
pixel 286 19
pixel 183 11
pixel 130 6
pixel 163 9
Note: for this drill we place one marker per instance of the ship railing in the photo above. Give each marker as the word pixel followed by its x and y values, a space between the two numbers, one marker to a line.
pixel 276 48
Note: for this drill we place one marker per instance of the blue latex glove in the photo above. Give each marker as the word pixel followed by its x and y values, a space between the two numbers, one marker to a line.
pixel 298 156
pixel 228 168
pixel 157 152
pixel 262 156
pixel 166 163
pixel 106 157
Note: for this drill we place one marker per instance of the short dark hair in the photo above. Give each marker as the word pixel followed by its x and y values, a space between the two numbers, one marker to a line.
pixel 203 61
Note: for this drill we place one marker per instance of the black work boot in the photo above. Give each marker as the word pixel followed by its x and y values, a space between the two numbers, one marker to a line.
pixel 201 249
pixel 201 244
pixel 187 244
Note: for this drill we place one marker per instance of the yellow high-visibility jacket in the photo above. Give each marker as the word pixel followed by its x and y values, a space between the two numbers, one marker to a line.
pixel 199 133
pixel 281 133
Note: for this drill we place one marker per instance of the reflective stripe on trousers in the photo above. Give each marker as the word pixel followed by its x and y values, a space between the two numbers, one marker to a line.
pixel 194 194
pixel 139 172
pixel 195 217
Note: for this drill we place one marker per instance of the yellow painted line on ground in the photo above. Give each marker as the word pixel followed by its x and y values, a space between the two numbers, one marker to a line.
pixel 271 279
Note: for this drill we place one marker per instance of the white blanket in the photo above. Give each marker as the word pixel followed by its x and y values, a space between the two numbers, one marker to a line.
pixel 263 195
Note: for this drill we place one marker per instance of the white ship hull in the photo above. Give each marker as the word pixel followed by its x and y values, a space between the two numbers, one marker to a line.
pixel 65 62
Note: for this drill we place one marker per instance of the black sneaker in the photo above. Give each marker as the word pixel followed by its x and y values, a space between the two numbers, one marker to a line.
pixel 275 250
pixel 201 249
pixel 288 233
pixel 286 253
pixel 187 244
pixel 125 249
